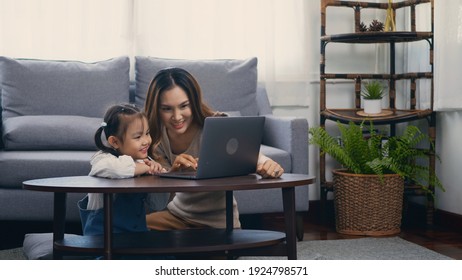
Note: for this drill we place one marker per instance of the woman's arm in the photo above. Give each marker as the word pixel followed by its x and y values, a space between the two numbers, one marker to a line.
pixel 268 168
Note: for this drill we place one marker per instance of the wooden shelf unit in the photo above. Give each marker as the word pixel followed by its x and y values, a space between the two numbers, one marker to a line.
pixel 400 115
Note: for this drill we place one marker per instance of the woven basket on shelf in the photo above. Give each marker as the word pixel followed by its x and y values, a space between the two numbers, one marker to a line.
pixel 364 205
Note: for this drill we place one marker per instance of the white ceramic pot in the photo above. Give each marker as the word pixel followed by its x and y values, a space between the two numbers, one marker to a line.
pixel 372 106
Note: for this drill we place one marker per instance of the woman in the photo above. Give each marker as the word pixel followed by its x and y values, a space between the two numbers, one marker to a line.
pixel 176 114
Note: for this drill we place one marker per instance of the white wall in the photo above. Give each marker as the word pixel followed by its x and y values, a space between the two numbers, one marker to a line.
pixel 449 170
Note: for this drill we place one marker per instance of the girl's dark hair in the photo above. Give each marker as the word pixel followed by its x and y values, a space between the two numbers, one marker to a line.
pixel 167 79
pixel 115 123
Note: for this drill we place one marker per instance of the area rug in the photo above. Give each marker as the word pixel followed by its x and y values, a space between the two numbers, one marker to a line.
pixel 12 254
pixel 390 248
pixel 384 248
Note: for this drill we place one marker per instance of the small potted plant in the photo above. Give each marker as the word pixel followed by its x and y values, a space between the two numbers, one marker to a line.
pixel 372 93
pixel 368 190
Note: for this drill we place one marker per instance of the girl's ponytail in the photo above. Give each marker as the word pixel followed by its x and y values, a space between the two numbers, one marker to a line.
pixel 99 142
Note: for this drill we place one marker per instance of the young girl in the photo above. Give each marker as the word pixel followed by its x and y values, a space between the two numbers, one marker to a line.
pixel 128 140
pixel 176 114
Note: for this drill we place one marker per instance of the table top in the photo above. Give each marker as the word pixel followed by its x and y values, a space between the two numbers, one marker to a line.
pixel 85 184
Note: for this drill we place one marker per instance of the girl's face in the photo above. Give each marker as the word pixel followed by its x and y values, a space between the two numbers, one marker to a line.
pixel 175 111
pixel 136 140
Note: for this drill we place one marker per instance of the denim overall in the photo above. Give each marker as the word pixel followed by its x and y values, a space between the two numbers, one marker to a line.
pixel 128 215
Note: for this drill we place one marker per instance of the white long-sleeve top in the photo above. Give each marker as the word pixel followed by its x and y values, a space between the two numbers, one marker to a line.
pixel 108 166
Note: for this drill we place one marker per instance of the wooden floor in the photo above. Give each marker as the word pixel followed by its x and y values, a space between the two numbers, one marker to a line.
pixel 439 239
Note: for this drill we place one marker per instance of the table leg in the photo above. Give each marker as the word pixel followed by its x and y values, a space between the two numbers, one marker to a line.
pixel 288 201
pixel 229 211
pixel 108 226
pixel 59 221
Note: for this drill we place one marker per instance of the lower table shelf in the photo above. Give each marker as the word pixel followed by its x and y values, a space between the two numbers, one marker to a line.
pixel 175 242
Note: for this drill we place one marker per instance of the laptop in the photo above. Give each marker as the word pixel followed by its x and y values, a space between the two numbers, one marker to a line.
pixel 229 147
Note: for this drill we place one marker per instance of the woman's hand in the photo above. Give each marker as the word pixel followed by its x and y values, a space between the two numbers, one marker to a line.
pixel 270 169
pixel 184 161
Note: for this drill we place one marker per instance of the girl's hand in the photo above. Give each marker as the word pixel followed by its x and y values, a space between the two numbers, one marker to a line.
pixel 154 167
pixel 270 169
pixel 184 161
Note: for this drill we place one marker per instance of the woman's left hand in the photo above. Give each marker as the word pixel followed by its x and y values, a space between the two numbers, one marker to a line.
pixel 270 169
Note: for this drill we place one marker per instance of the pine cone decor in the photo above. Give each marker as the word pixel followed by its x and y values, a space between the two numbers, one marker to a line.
pixel 362 27
pixel 376 26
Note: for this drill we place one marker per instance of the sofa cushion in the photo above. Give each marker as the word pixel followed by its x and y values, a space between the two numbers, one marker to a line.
pixel 1 122
pixel 39 246
pixel 45 87
pixel 227 85
pixel 19 166
pixel 50 133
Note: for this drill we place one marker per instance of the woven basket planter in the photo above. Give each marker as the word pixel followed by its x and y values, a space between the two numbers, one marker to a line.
pixel 366 206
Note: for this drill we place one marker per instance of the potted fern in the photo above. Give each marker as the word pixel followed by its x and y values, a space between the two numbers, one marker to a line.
pixel 372 93
pixel 368 191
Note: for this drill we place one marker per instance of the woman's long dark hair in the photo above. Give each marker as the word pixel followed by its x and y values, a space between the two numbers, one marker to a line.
pixel 167 79
pixel 115 123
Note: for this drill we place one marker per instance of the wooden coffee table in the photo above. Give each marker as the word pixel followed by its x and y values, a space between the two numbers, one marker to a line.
pixel 229 241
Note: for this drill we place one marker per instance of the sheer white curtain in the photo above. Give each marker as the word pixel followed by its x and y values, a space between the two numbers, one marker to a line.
pixel 85 30
pixel 448 55
pixel 275 31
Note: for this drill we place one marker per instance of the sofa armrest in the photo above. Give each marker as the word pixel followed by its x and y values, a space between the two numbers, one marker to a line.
pixel 289 134
pixel 1 121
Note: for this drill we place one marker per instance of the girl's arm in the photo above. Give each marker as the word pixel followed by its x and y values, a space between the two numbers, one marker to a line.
pixel 153 167
pixel 109 166
pixel 141 168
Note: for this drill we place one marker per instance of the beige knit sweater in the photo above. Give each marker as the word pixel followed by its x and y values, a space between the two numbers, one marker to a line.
pixel 206 208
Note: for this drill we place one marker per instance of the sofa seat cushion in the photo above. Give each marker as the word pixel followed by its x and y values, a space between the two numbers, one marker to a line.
pixel 24 205
pixel 269 200
pixel 19 166
pixel 272 202
pixel 227 84
pixel 50 133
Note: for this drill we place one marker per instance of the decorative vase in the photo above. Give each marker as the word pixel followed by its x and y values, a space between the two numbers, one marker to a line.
pixel 367 205
pixel 372 106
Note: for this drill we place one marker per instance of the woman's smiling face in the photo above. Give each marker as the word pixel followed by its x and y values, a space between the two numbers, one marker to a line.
pixel 175 111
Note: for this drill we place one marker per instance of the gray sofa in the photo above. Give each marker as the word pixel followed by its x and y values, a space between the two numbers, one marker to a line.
pixel 51 109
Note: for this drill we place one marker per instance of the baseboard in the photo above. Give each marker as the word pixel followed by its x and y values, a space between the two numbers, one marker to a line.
pixel 414 214
pixel 449 220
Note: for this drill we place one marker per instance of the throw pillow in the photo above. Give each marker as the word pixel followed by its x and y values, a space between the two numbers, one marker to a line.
pixel 47 87
pixel 39 246
pixel 50 133
pixel 57 97
pixel 227 84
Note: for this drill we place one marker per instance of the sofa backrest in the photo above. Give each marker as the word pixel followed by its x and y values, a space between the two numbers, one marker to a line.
pixel 50 104
pixel 228 85
pixel 42 99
